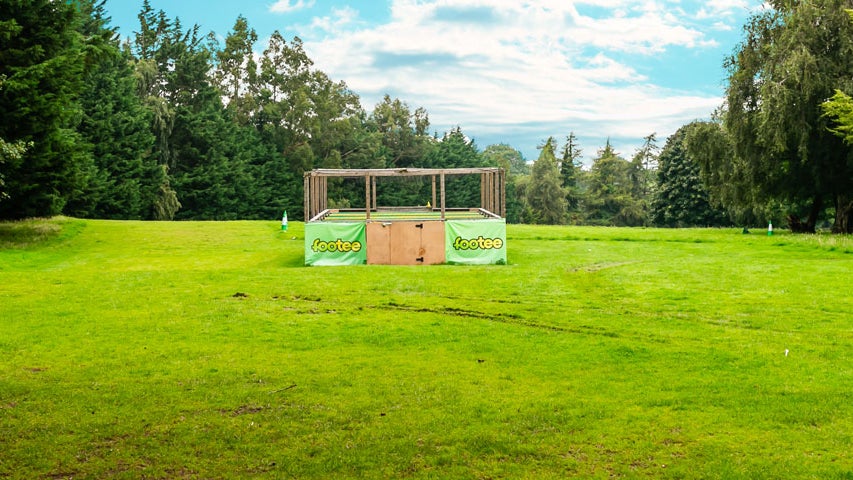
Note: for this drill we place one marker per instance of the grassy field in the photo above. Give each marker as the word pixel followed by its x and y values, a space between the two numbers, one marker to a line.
pixel 207 350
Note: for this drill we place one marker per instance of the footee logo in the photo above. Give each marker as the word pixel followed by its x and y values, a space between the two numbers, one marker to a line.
pixel 339 245
pixel 479 243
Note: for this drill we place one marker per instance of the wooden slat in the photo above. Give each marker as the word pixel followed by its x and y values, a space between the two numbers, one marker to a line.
pixel 306 204
pixel 483 183
pixel 443 208
pixel 367 197
pixel 502 180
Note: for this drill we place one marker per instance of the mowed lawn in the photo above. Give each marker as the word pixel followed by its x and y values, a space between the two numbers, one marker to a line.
pixel 207 350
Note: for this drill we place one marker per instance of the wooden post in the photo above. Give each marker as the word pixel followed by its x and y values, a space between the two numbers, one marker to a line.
pixel 367 197
pixel 484 180
pixel 374 192
pixel 324 194
pixel 433 192
pixel 496 195
pixel 493 197
pixel 502 190
pixel 315 201
pixel 306 191
pixel 442 196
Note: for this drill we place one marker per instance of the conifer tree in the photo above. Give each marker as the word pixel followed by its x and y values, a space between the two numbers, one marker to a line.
pixel 42 60
pixel 546 197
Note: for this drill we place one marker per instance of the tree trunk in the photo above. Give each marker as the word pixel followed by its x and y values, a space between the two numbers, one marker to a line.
pixel 843 215
pixel 798 226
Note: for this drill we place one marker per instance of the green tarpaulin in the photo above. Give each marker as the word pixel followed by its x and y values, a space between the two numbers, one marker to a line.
pixel 475 242
pixel 335 244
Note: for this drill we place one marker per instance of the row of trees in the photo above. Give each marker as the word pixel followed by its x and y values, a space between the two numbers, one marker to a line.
pixel 173 124
pixel 660 187
pixel 781 140
pixel 780 147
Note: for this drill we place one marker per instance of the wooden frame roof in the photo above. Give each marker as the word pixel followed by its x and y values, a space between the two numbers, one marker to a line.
pixel 492 186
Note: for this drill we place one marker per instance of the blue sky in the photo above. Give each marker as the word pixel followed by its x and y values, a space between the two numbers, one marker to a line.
pixel 506 71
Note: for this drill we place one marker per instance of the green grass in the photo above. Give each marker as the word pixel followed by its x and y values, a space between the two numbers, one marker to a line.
pixel 206 350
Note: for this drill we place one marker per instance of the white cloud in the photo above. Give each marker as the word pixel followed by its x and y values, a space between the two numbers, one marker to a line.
pixel 507 68
pixel 340 19
pixel 285 6
pixel 716 9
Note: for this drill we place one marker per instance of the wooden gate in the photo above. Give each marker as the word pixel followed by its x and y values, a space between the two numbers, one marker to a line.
pixel 405 243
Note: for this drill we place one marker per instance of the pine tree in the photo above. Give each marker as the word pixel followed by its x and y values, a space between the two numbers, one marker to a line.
pixel 116 129
pixel 569 168
pixel 42 60
pixel 681 199
pixel 545 196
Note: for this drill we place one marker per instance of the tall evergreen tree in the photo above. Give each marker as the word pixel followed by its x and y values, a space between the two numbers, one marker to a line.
pixel 455 150
pixel 545 196
pixel 681 199
pixel 569 171
pixel 611 200
pixel 644 164
pixel 236 72
pixel 116 129
pixel 42 60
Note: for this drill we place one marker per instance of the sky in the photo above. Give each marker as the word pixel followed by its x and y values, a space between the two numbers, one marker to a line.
pixel 506 71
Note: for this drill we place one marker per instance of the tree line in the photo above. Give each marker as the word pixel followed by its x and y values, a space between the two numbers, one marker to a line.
pixel 173 124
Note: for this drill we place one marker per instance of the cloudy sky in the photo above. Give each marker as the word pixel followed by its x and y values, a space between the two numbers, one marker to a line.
pixel 506 71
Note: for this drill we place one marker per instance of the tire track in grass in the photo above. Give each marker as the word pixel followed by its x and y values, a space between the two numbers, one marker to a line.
pixel 505 318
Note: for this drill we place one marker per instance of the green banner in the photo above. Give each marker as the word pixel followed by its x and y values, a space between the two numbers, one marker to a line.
pixel 475 242
pixel 333 243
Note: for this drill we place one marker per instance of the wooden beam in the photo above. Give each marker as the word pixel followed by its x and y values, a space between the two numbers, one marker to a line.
pixel 306 192
pixel 483 182
pixel 492 186
pixel 324 193
pixel 502 187
pixel 397 172
pixel 367 196
pixel 443 208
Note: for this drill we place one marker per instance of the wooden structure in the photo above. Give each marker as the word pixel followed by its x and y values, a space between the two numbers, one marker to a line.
pixel 403 235
pixel 492 187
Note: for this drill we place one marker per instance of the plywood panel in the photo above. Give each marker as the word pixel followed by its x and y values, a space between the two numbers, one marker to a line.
pixel 432 243
pixel 378 243
pixel 405 243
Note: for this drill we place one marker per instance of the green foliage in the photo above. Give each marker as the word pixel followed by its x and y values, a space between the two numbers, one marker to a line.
pixel 570 167
pixel 506 157
pixel 207 350
pixel 612 186
pixel 117 131
pixel 792 59
pixel 515 166
pixel 166 203
pixel 41 60
pixel 840 109
pixel 236 72
pixel 455 150
pixel 12 152
pixel 544 194
pixel 681 199
pixel 178 125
